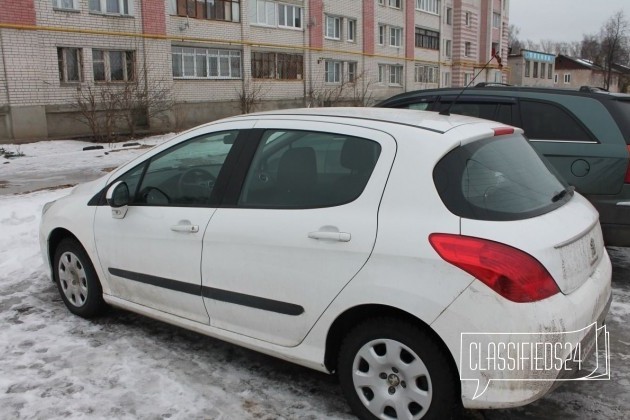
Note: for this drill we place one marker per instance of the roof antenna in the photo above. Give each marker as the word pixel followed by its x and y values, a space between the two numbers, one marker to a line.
pixel 447 111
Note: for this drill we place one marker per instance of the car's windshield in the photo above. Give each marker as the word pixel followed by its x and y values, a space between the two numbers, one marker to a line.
pixel 499 178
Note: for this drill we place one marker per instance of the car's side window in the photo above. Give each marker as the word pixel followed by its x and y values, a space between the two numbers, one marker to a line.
pixel 306 169
pixel 545 121
pixel 183 175
pixel 504 114
pixel 484 110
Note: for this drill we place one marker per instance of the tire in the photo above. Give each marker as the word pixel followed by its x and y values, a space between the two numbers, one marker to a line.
pixel 392 369
pixel 76 279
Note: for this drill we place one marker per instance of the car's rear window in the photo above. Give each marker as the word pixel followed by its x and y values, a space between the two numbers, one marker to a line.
pixel 622 111
pixel 499 178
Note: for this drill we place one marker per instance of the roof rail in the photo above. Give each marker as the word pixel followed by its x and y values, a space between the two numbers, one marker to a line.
pixel 592 89
pixel 488 84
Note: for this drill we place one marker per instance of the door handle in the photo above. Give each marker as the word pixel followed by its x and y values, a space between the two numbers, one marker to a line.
pixel 330 236
pixel 186 228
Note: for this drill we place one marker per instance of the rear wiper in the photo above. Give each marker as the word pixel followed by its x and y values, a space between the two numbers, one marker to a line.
pixel 568 190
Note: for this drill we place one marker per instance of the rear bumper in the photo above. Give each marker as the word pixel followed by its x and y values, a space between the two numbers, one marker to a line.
pixel 563 319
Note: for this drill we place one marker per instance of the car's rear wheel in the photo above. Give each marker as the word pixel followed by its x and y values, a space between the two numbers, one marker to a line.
pixel 76 279
pixel 391 369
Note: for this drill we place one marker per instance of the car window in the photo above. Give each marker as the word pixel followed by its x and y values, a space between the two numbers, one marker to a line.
pixel 484 110
pixel 305 169
pixel 499 178
pixel 545 121
pixel 504 114
pixel 183 175
pixel 421 106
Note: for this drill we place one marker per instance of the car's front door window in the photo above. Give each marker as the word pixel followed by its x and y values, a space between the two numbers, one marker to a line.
pixel 185 174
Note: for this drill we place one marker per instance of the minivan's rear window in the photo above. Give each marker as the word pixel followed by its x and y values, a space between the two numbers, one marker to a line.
pixel 499 178
pixel 622 112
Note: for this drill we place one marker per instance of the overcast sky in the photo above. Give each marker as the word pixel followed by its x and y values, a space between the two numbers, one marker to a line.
pixel 562 20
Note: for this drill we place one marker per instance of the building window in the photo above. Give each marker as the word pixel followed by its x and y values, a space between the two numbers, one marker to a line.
pixel 555 78
pixel 535 69
pixel 114 7
pixel 381 34
pixel 395 3
pixel 289 16
pixel 446 79
pixel 527 68
pixel 113 66
pixel 333 71
pixel 70 65
pixel 549 71
pixel 498 77
pixel 395 37
pixel 467 18
pixel 352 30
pixel 567 78
pixel 395 75
pixel 381 73
pixel 543 70
pixel 430 6
pixel 206 63
pixel 262 12
pixel 381 2
pixel 352 71
pixel 496 20
pixel 333 27
pixel 449 16
pixel 468 77
pixel 267 65
pixel 66 4
pixel 426 74
pixel 427 39
pixel 467 49
pixel 447 47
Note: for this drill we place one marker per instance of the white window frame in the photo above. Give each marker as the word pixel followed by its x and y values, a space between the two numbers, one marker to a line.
pixel 425 73
pixel 446 79
pixel 209 54
pixel 269 16
pixel 448 48
pixel 382 73
pixel 395 4
pixel 334 23
pixel 428 6
pixel 352 68
pixel 286 24
pixel 66 5
pixel 468 49
pixel 334 76
pixel 63 77
pixel 107 66
pixel 498 77
pixel 102 7
pixel 567 78
pixel 352 30
pixel 467 78
pixel 448 16
pixel 496 20
pixel 395 74
pixel 382 29
pixel 395 37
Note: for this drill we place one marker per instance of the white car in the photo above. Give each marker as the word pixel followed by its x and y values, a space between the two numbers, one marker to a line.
pixel 362 242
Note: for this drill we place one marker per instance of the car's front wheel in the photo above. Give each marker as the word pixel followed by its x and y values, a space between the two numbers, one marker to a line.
pixel 391 369
pixel 76 279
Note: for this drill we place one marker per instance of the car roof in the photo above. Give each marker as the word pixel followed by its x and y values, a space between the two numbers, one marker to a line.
pixel 502 89
pixel 426 120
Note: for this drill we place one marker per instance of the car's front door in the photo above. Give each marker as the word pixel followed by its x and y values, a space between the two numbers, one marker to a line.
pixel 152 255
pixel 304 224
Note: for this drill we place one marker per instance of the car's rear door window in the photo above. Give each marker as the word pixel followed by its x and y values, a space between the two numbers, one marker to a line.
pixel 307 169
pixel 545 121
pixel 499 178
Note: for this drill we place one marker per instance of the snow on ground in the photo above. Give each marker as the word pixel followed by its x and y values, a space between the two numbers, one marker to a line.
pixel 56 365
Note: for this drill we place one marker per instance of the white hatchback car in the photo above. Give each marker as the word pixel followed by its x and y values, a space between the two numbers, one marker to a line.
pixel 364 242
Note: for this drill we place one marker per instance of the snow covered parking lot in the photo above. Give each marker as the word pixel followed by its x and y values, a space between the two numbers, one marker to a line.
pixel 56 365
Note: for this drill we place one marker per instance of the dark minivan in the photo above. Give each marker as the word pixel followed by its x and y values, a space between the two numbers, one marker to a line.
pixel 584 134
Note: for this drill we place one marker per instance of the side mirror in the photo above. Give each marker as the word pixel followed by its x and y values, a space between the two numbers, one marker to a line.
pixel 118 199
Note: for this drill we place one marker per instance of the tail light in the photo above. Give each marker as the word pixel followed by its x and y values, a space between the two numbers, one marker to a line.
pixel 514 274
pixel 627 178
pixel 502 131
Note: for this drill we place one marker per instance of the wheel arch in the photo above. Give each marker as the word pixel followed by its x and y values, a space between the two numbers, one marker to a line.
pixel 357 314
pixel 54 239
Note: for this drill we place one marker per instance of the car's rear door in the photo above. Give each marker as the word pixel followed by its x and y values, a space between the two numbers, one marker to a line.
pixel 302 223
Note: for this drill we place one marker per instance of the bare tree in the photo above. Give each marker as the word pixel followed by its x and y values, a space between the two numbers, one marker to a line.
pixel 590 49
pixel 250 96
pixel 614 43
pixel 514 43
pixel 86 105
pixel 362 94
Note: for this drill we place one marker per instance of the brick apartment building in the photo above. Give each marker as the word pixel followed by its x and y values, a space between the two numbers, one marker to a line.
pixel 209 54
